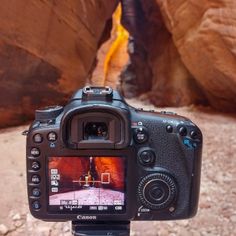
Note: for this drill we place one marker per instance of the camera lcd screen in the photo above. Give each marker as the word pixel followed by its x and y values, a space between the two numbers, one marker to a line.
pixel 86 184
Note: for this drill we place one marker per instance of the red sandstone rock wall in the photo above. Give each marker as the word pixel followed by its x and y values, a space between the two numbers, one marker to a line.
pixel 47 51
pixel 115 167
pixel 184 52
pixel 190 48
pixel 71 168
pixel 204 33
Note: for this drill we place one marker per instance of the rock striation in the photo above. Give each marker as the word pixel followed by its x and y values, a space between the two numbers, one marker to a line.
pixel 75 169
pixel 116 168
pixel 190 48
pixel 204 33
pixel 47 51
pixel 180 52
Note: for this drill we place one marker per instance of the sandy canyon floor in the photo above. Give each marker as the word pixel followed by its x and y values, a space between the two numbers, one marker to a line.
pixel 217 208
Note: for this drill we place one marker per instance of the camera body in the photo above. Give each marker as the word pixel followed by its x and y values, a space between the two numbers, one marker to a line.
pixel 99 159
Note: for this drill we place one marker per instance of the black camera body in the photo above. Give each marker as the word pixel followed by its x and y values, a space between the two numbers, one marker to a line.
pixel 98 159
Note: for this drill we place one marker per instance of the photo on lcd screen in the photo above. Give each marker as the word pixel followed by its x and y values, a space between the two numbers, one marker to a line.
pixel 86 181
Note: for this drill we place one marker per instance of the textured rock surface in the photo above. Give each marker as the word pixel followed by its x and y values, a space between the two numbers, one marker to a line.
pixel 47 50
pixel 191 50
pixel 172 83
pixel 75 169
pixel 204 33
pixel 116 169
pixel 69 169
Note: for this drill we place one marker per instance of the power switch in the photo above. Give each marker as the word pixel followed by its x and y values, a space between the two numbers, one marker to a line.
pixel 141 135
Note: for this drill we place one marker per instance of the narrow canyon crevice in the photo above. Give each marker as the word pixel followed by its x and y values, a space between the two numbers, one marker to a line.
pixel 156 69
pixel 176 53
pixel 188 48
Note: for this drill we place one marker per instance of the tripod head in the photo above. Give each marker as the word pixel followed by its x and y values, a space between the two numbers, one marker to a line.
pixel 101 228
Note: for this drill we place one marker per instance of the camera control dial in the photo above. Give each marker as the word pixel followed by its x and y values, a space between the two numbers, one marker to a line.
pixel 157 191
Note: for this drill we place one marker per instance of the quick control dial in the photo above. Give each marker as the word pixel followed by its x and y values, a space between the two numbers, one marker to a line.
pixel 157 191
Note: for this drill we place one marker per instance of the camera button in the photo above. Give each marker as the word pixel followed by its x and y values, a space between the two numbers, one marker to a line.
pixel 193 134
pixel 168 113
pixel 183 131
pixel 147 157
pixel 52 136
pixel 169 128
pixel 156 193
pixel 36 192
pixel 38 138
pixel 36 205
pixel 35 165
pixel 140 135
pixel 35 179
pixel 35 152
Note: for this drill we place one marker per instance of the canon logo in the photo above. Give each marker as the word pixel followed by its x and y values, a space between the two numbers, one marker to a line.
pixel 81 217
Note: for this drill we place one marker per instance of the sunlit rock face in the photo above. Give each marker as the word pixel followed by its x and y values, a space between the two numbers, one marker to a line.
pixel 181 52
pixel 112 56
pixel 47 51
pixel 204 33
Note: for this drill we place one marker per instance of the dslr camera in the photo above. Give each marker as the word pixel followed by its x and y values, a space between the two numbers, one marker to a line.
pixel 101 163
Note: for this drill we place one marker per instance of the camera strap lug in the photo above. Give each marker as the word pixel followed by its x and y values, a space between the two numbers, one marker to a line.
pixel 25 132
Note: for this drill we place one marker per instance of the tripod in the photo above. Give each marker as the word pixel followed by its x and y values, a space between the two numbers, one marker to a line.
pixel 101 228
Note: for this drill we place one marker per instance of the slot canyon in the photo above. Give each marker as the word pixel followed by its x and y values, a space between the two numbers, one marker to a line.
pixel 170 53
pixel 72 168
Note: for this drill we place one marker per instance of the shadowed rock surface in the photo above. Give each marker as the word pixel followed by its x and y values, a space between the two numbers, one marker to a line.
pixel 191 51
pixel 47 51
pixel 181 52
pixel 116 169
pixel 204 33
pixel 71 168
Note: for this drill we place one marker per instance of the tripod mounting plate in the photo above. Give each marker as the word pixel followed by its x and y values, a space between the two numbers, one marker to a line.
pixel 102 228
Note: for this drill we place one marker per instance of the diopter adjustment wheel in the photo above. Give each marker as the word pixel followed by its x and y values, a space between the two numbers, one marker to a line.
pixel 157 191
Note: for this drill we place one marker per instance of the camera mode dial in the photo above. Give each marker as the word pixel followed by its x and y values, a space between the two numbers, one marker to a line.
pixel 157 191
pixel 48 113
